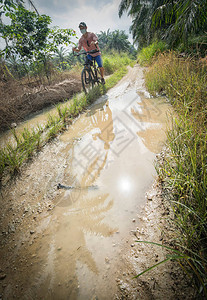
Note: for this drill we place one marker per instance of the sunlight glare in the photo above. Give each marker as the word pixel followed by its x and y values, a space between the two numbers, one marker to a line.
pixel 125 185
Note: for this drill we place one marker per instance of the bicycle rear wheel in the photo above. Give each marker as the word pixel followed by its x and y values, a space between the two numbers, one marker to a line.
pixel 87 81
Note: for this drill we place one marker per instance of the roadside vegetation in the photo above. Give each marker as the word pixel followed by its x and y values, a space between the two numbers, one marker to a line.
pixel 148 54
pixel 181 24
pixel 30 141
pixel 171 36
pixel 183 170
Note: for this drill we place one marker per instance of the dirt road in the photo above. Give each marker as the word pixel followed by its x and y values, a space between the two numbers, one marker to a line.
pixel 73 243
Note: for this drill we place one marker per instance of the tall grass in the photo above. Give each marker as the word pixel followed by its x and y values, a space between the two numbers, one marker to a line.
pixel 183 171
pixel 14 155
pixel 146 55
pixel 114 61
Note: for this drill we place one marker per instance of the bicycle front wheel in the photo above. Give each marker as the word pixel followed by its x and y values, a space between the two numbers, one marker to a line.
pixel 87 81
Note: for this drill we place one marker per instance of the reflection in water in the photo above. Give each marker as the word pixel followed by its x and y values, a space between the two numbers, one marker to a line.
pixel 152 111
pixel 103 120
pixel 110 147
pixel 150 138
pixel 70 237
pixel 69 229
pixel 83 213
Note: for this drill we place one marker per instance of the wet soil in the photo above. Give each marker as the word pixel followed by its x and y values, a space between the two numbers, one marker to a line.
pixel 155 225
pixel 80 242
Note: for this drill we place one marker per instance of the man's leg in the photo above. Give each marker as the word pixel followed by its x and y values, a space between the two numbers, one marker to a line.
pixel 102 71
pixel 100 65
pixel 88 59
pixel 102 75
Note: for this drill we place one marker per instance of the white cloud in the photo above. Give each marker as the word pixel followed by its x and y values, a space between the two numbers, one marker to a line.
pixel 99 15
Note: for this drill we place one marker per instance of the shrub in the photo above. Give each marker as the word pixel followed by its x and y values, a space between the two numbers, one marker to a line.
pixel 146 55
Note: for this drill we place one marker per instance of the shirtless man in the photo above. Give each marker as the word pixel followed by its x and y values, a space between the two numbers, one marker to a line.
pixel 89 41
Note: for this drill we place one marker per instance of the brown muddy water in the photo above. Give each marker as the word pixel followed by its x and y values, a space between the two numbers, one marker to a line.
pixel 32 122
pixel 106 156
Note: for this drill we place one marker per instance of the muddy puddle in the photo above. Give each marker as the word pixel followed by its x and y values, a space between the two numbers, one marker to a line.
pixel 108 168
pixel 34 120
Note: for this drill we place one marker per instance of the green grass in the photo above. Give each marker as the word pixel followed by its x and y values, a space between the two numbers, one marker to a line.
pixel 183 171
pixel 13 156
pixel 30 141
pixel 146 55
pixel 114 61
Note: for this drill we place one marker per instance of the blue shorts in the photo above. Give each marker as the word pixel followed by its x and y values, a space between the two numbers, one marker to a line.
pixel 97 58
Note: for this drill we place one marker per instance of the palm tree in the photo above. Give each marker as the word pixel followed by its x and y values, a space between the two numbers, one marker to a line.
pixel 14 65
pixel 60 56
pixel 189 17
pixel 119 41
pixel 73 59
pixel 142 12
pixel 103 38
pixel 173 20
pixel 139 11
pixel 116 40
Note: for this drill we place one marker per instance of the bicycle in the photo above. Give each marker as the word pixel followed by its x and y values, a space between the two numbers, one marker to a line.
pixel 90 74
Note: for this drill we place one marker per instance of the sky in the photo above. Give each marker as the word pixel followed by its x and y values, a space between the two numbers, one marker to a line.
pixel 99 15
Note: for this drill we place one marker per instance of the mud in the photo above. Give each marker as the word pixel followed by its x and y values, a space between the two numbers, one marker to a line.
pixel 79 243
pixel 155 225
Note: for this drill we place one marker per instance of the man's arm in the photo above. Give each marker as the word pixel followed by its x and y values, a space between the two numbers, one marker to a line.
pixel 95 40
pixel 77 49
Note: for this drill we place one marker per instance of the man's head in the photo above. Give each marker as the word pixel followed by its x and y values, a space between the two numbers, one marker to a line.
pixel 83 27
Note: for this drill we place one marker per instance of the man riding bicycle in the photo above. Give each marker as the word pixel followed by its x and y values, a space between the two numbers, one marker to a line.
pixel 89 41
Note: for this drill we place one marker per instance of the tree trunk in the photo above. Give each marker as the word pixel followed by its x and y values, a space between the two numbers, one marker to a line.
pixel 46 70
